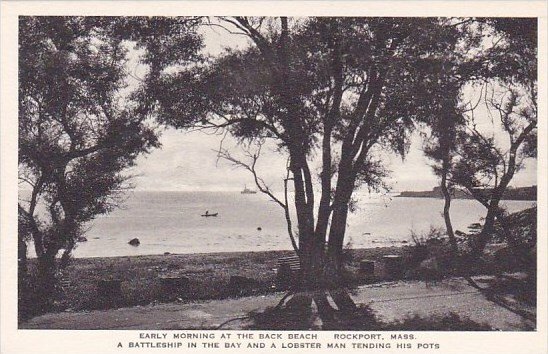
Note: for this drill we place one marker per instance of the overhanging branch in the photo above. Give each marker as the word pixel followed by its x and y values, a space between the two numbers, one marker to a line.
pixel 261 184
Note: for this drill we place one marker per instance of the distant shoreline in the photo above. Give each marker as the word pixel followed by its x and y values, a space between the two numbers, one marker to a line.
pixel 519 193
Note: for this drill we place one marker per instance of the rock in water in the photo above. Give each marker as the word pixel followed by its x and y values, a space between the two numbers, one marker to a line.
pixel 135 242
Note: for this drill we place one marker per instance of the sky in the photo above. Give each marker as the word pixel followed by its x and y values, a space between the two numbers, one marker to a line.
pixel 187 161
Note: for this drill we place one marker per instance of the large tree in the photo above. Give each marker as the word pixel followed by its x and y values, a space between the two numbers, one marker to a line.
pixel 440 147
pixel 489 128
pixel 77 131
pixel 488 156
pixel 337 89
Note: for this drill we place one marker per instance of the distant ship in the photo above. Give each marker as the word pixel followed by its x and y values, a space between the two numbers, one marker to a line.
pixel 248 191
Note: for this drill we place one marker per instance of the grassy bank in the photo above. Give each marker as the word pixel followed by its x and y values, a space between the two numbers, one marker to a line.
pixel 209 276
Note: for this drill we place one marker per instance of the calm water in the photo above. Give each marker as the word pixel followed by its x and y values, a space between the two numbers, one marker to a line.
pixel 171 222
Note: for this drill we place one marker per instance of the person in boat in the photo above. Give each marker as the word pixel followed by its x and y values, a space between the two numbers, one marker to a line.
pixel 207 213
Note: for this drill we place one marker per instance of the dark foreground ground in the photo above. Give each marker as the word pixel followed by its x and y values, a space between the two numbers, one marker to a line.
pixel 210 300
pixel 209 277
pixel 453 302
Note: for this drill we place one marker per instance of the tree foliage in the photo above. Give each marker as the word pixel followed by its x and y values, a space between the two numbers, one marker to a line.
pixel 468 154
pixel 78 132
pixel 338 89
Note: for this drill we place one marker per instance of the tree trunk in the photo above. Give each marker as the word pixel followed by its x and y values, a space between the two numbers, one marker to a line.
pixel 304 194
pixel 23 295
pixel 487 230
pixel 447 215
pixel 337 231
pixel 496 196
pixel 22 257
pixel 493 209
pixel 46 279
pixel 308 250
pixel 67 253
pixel 333 115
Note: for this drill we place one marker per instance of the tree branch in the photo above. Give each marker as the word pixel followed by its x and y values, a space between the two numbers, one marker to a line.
pixel 261 185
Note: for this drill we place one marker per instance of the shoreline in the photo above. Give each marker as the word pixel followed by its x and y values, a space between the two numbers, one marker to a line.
pixel 270 255
pixel 223 253
pixel 379 244
pixel 528 193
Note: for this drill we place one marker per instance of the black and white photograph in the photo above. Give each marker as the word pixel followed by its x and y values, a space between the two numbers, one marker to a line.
pixel 186 176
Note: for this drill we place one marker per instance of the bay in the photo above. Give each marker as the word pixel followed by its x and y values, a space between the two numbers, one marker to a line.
pixel 172 222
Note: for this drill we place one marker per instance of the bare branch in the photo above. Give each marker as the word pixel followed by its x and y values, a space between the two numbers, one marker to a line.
pixel 260 183
pixel 226 29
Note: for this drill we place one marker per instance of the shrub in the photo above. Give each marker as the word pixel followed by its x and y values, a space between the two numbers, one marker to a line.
pixel 431 244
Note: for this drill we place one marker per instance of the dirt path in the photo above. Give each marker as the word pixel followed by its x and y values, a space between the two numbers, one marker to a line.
pixel 391 301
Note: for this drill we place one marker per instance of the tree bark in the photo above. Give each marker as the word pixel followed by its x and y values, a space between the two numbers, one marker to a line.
pixel 488 228
pixel 497 193
pixel 307 248
pixel 22 257
pixel 302 180
pixel 446 213
pixel 332 115
pixel 335 265
pixel 46 279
